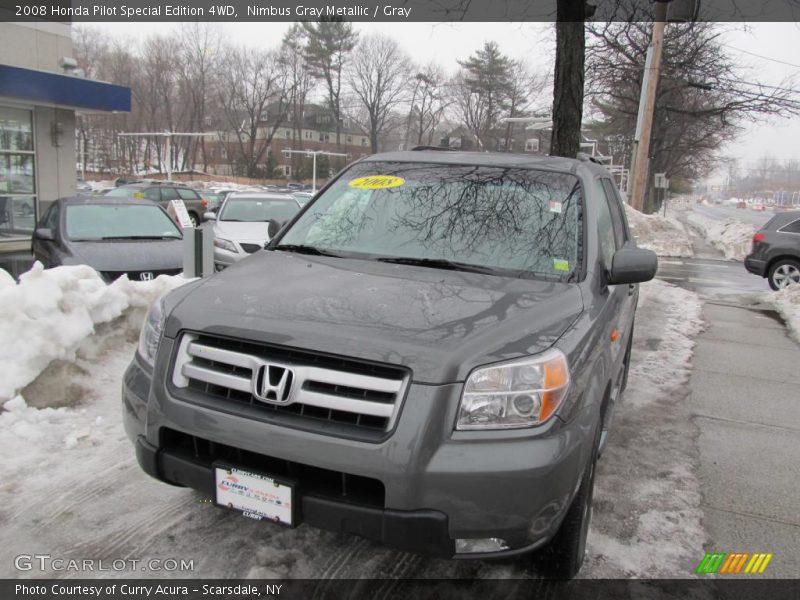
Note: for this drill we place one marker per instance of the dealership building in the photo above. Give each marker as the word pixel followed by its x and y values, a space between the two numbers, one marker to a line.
pixel 41 90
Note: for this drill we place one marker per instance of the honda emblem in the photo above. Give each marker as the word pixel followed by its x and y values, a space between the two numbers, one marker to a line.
pixel 146 276
pixel 273 383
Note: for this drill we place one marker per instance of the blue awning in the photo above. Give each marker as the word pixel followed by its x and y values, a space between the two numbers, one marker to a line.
pixel 63 90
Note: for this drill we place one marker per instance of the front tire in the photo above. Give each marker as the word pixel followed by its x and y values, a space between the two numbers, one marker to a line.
pixel 563 556
pixel 784 273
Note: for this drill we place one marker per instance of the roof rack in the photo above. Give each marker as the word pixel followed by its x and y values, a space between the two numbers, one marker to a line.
pixel 439 148
pixel 588 158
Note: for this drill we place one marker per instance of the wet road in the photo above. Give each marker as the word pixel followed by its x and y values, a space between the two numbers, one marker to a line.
pixel 723 212
pixel 710 277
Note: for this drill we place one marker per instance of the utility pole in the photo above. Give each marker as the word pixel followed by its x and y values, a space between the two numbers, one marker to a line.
pixel 640 162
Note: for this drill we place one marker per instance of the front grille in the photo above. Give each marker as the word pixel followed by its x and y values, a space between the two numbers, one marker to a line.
pixel 323 393
pixel 138 275
pixel 316 481
pixel 250 248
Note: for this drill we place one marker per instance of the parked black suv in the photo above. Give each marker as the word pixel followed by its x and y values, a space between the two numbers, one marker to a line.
pixel 776 250
pixel 162 193
pixel 429 354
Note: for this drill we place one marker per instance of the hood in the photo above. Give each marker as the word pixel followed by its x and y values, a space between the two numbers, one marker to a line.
pixel 236 231
pixel 440 324
pixel 129 255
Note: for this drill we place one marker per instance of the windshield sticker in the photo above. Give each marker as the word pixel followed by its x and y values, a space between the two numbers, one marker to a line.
pixel 377 182
pixel 560 265
pixel 555 207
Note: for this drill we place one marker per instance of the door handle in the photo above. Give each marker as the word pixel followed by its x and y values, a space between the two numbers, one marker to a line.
pixel 631 289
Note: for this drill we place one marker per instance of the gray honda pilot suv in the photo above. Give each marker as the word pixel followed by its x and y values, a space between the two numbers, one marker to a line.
pixel 427 355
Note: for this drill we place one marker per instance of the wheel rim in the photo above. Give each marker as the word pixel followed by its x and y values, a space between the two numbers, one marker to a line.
pixel 786 275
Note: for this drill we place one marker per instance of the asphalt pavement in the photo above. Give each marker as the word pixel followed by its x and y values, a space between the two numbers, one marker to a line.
pixel 744 403
pixel 711 277
pixel 722 212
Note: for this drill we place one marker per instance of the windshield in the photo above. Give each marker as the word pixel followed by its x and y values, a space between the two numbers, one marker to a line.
pixel 258 209
pixel 126 221
pixel 513 220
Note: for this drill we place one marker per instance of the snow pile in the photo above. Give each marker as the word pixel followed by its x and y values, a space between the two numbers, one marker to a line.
pixel 787 303
pixel 49 314
pixel 654 527
pixel 663 236
pixel 733 237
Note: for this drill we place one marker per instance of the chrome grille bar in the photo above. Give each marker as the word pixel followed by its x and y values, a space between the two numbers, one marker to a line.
pixel 232 370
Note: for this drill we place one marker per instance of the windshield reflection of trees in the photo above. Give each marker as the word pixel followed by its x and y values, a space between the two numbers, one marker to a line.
pixel 509 218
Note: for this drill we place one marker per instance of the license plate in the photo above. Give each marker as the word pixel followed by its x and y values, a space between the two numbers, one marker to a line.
pixel 254 495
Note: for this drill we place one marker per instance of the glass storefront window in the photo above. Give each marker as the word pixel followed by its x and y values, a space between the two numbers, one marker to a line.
pixel 16 129
pixel 17 173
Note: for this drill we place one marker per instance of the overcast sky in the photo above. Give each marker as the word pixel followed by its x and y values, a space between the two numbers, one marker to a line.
pixel 446 43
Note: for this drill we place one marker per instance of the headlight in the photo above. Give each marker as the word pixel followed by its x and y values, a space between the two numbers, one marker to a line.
pixel 152 329
pixel 225 245
pixel 517 394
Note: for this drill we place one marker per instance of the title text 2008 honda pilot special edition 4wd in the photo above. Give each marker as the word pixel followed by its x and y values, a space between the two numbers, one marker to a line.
pixel 427 355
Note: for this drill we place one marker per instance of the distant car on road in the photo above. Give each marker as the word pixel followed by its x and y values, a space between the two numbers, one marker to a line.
pixel 242 224
pixel 776 251
pixel 163 193
pixel 741 204
pixel 115 236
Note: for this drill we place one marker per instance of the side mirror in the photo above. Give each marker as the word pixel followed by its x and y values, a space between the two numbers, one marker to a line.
pixel 633 265
pixel 209 216
pixel 273 227
pixel 43 233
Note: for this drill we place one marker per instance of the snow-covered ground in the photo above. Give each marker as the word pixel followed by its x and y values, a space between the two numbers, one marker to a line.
pixel 787 303
pixel 664 236
pixel 71 487
pixel 734 238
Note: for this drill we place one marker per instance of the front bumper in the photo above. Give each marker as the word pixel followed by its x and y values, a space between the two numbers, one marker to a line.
pixel 440 485
pixel 755 265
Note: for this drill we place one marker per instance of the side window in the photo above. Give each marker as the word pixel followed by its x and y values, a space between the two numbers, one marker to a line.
pixel 187 194
pixel 168 194
pixel 793 227
pixel 605 228
pixel 152 194
pixel 618 220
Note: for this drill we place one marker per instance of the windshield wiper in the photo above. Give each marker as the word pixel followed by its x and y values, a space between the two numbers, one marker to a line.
pixel 439 263
pixel 140 237
pixel 303 249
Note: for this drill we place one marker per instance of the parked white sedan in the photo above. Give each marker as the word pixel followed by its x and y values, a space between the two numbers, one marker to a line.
pixel 241 226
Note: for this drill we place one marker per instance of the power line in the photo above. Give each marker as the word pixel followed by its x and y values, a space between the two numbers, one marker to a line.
pixel 776 60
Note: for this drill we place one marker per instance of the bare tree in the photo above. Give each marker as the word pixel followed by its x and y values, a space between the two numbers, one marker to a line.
pixel 254 97
pixel 300 83
pixel 429 101
pixel 378 77
pixel 198 71
pixel 702 98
